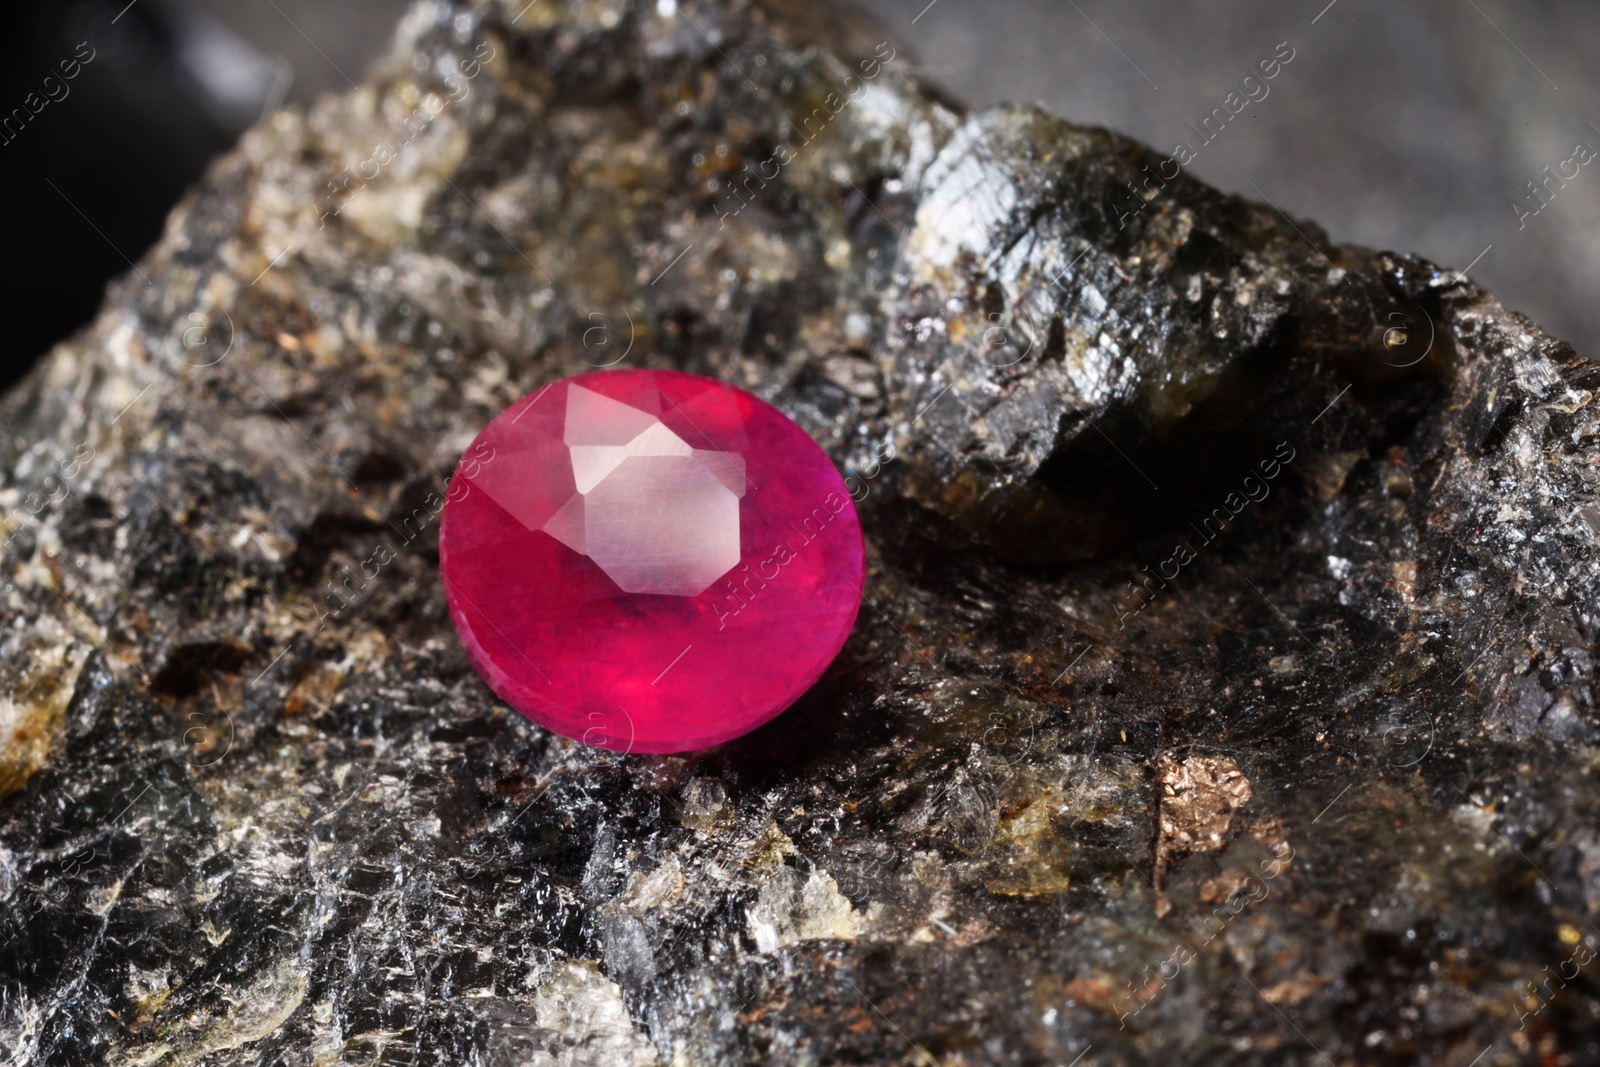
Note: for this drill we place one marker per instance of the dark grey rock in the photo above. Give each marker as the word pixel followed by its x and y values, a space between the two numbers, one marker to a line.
pixel 1225 691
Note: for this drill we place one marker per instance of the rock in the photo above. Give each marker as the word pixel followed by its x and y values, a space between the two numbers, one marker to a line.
pixel 1168 498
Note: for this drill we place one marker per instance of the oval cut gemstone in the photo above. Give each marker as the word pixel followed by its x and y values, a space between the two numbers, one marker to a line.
pixel 649 561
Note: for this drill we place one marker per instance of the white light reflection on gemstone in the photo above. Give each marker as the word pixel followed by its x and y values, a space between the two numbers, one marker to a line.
pixel 655 514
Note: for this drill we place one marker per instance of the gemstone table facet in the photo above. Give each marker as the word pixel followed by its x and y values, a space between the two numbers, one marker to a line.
pixel 649 561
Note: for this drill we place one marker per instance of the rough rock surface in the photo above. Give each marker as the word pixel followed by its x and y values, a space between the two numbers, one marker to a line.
pixel 1225 692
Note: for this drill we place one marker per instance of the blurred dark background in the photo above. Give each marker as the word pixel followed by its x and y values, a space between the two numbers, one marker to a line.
pixel 86 184
pixel 1406 126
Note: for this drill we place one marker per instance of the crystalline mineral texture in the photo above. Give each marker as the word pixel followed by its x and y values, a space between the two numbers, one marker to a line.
pixel 1176 483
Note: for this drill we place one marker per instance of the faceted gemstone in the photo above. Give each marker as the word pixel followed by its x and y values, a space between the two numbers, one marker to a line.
pixel 649 561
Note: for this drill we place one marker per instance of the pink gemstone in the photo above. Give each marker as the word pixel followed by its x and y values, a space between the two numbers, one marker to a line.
pixel 649 561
